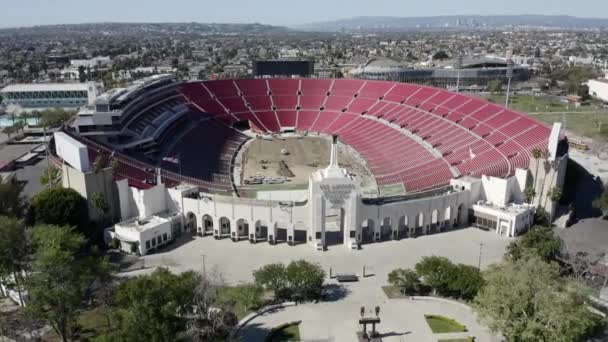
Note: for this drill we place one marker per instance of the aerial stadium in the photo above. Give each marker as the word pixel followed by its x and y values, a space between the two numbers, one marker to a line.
pixel 301 160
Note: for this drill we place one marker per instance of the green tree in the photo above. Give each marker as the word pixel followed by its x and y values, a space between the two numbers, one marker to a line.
pixel 100 202
pixel 305 278
pixel 153 307
pixel 272 277
pixel 14 254
pixel 12 202
pixel 602 201
pixel 243 297
pixel 48 175
pixel 436 272
pixel 213 315
pixel 541 241
pixel 60 278
pixel 529 193
pixel 526 300
pixel 62 207
pixel 9 130
pixel 494 86
pixel 583 92
pixel 441 55
pixel 466 282
pixel 407 280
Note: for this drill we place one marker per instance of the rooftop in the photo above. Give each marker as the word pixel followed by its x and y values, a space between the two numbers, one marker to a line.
pixel 27 87
pixel 141 225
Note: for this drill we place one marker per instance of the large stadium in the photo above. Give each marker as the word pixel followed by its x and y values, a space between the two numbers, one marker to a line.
pixel 313 160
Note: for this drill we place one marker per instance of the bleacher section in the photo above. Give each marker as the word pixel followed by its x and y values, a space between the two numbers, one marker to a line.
pixel 413 135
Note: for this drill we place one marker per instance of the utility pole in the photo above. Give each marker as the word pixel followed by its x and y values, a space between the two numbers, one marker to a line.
pixel 479 261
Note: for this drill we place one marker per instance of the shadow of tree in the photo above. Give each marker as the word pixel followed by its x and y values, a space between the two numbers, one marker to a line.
pixel 580 189
pixel 252 332
pixel 335 292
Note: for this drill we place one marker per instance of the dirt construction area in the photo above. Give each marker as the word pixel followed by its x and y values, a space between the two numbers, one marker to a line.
pixel 295 158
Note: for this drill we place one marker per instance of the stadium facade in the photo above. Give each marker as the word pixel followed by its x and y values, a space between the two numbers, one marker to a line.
pixel 470 72
pixel 51 95
pixel 171 149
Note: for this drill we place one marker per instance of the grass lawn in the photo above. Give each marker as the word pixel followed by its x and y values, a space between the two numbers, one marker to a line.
pixel 285 332
pixel 582 121
pixel 393 292
pixel 532 104
pixel 468 339
pixel 92 321
pixel 440 324
pixel 583 124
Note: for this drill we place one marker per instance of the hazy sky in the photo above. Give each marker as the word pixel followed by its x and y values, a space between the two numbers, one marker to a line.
pixel 278 12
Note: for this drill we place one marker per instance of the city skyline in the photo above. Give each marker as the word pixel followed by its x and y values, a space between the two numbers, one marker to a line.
pixel 273 12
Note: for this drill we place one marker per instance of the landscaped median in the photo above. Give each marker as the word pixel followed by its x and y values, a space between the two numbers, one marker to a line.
pixel 285 332
pixel 442 325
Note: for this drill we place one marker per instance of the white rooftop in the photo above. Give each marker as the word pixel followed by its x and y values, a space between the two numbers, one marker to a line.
pixel 27 87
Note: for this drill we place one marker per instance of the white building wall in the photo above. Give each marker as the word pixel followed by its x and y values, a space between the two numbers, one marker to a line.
pixel 72 152
pixel 599 89
pixel 496 190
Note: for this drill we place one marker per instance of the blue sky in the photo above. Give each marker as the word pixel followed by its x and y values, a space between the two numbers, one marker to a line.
pixel 16 13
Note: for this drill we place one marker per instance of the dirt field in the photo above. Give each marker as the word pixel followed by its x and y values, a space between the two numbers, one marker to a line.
pixel 306 155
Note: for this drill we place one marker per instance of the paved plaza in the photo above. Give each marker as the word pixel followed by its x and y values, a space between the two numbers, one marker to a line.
pixel 401 319
pixel 236 260
pixel 336 319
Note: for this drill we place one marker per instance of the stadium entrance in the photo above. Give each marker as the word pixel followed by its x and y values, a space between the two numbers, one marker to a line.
pixel 334 227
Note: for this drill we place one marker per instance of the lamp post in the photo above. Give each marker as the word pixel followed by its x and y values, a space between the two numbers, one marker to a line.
pixel 479 260
pixel 509 75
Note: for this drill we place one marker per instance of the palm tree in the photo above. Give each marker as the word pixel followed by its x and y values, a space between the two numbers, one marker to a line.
pixel 99 201
pixel 529 193
pixel 555 194
pixel 536 154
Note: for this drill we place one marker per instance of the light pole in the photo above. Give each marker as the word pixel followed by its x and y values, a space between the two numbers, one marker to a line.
pixel 479 260
pixel 204 266
pixel 509 75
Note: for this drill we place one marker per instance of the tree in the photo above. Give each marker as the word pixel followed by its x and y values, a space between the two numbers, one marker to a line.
pixel 555 195
pixel 540 241
pixel 14 254
pixel 305 278
pixel 49 175
pixel 440 55
pixel 407 280
pixel 82 76
pixel 494 86
pixel 153 307
pixel 583 92
pixel 61 275
pixel 602 201
pixel 9 130
pixel 213 315
pixel 100 202
pixel 62 207
pixel 12 202
pixel 243 297
pixel 466 282
pixel 526 300
pixel 436 272
pixel 272 277
pixel 529 193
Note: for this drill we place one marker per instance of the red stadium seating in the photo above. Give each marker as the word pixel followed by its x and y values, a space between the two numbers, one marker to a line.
pixel 417 136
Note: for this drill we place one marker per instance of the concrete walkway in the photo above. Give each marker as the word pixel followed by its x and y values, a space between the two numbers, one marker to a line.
pixel 402 319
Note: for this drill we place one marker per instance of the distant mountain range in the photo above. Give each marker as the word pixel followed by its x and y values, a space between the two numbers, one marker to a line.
pixel 488 22
pixel 110 28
